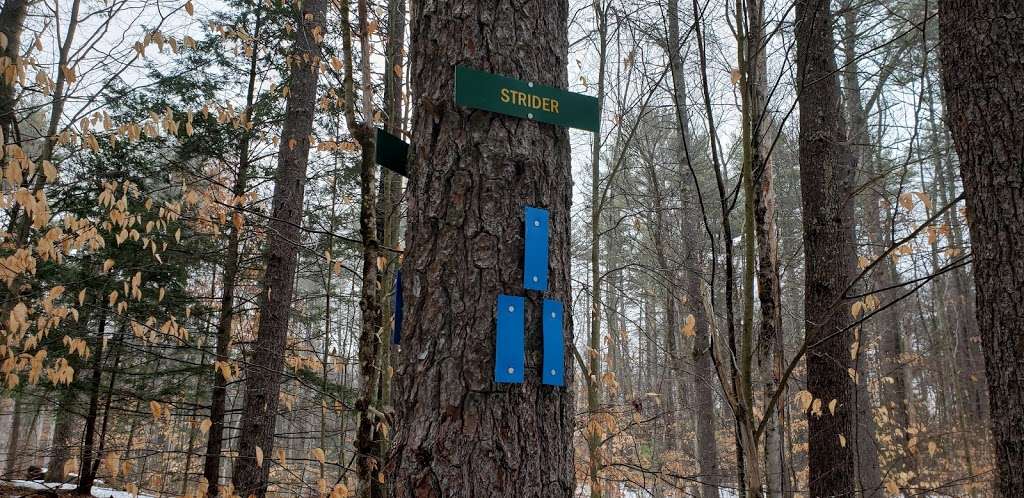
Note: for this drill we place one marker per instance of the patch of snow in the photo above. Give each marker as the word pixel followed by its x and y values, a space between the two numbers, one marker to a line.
pixel 97 491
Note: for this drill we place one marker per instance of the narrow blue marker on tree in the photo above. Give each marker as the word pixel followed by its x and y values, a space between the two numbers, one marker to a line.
pixel 535 259
pixel 396 335
pixel 509 351
pixel 553 372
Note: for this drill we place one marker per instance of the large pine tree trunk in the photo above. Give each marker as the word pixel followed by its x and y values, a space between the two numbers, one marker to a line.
pixel 472 173
pixel 983 75
pixel 829 244
pixel 263 377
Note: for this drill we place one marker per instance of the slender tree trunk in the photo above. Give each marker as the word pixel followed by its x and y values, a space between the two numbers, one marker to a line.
pixel 676 369
pixel 85 473
pixel 702 378
pixel 218 393
pixel 372 338
pixel 263 377
pixel 869 476
pixel 826 179
pixel 704 381
pixel 727 241
pixel 770 353
pixel 56 113
pixel 750 471
pixel 105 424
pixel 983 77
pixel 472 173
pixel 593 373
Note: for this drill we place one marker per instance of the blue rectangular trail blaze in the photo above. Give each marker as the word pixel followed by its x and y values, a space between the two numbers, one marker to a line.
pixel 509 350
pixel 535 261
pixel 553 373
pixel 396 335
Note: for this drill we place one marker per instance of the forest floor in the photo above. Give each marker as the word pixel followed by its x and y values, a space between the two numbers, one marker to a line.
pixel 31 489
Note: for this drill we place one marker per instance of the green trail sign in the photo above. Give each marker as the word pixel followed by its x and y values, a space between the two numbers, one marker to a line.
pixel 392 153
pixel 491 92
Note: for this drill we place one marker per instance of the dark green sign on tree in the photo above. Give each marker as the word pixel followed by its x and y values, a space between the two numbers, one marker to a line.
pixel 524 99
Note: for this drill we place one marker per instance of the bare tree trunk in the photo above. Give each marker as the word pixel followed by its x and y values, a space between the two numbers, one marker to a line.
pixel 472 173
pixel 370 437
pixel 980 48
pixel 676 369
pixel 826 178
pixel 593 373
pixel 63 431
pixel 702 378
pixel 869 475
pixel 12 22
pixel 703 388
pixel 263 377
pixel 733 383
pixel 770 353
pixel 105 424
pixel 218 393
pixel 86 474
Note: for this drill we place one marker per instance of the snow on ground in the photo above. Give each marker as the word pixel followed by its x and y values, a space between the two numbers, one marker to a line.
pixel 632 492
pixel 97 491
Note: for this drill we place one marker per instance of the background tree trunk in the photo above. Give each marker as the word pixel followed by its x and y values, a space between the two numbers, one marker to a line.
pixel 887 325
pixel 983 75
pixel 63 432
pixel 472 173
pixel 263 377
pixel 829 244
pixel 11 468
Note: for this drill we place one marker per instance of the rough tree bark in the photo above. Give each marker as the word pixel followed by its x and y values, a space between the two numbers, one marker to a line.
pixel 263 377
pixel 826 178
pixel 983 76
pixel 472 172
